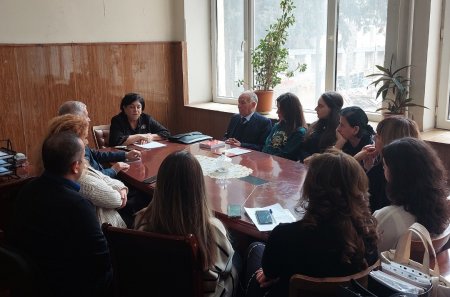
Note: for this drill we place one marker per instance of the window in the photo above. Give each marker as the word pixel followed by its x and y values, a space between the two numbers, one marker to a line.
pixel 338 53
pixel 443 111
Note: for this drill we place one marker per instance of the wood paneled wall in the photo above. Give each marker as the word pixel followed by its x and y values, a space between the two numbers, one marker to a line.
pixel 36 79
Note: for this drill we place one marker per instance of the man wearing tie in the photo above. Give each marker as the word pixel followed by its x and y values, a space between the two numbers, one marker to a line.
pixel 248 129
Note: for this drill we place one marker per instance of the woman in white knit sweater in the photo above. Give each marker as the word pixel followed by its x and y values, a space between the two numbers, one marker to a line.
pixel 107 194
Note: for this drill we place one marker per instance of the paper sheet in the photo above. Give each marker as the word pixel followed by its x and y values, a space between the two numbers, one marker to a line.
pixel 150 145
pixel 279 215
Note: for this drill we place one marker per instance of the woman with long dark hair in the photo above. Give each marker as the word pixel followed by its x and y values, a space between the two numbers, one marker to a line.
pixel 388 130
pixel 286 137
pixel 179 207
pixel 322 133
pixel 354 131
pixel 336 237
pixel 417 188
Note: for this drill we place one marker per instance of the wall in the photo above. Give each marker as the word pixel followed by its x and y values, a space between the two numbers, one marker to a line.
pixel 36 79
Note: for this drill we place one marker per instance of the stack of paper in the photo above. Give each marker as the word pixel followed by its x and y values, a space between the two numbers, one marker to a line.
pixel 279 215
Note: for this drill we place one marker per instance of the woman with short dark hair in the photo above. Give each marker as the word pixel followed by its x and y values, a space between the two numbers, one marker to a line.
pixel 417 189
pixel 286 137
pixel 353 131
pixel 132 125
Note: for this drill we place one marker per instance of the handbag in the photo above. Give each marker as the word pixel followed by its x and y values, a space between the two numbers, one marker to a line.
pixel 398 263
pixel 188 138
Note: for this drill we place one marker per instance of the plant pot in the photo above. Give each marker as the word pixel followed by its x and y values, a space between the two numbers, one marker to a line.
pixel 265 101
pixel 391 115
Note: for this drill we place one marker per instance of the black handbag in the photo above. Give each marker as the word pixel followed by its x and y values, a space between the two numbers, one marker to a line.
pixel 188 138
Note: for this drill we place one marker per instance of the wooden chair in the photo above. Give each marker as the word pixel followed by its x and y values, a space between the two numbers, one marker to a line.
pixel 154 264
pixel 101 136
pixel 417 248
pixel 306 286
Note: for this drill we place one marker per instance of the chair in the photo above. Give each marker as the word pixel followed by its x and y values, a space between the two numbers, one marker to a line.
pixel 306 286
pixel 145 262
pixel 101 136
pixel 417 248
pixel 17 273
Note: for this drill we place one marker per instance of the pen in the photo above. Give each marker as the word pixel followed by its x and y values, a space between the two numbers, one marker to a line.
pixel 271 214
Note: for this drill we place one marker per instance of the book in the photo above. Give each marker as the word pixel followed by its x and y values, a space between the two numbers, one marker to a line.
pixel 232 152
pixel 212 144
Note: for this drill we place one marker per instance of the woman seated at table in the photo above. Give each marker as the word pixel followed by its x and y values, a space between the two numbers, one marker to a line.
pixel 322 133
pixel 417 188
pixel 131 125
pixel 354 131
pixel 286 137
pixel 106 193
pixel 336 237
pixel 388 130
pixel 179 207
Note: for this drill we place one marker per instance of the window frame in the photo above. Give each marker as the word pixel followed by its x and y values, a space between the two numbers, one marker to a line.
pixel 247 45
pixel 442 110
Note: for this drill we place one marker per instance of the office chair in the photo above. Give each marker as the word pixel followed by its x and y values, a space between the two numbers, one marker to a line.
pixel 145 262
pixel 101 136
pixel 306 286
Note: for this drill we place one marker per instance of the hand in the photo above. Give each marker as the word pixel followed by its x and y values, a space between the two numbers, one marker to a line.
pixel 263 281
pixel 233 141
pixel 307 160
pixel 133 155
pixel 156 137
pixel 119 166
pixel 123 196
pixel 340 140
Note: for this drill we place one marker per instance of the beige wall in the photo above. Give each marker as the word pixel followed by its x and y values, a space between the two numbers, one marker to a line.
pixel 62 21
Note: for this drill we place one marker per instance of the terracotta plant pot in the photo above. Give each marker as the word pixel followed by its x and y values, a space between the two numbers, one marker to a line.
pixel 265 101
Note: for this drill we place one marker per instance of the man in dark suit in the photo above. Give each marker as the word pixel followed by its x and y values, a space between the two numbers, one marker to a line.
pixel 248 129
pixel 57 228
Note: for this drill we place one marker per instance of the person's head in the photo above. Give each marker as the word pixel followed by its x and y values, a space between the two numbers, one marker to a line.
pixel 417 180
pixel 335 195
pixel 132 105
pixel 63 155
pixel 247 102
pixel 179 204
pixel 392 128
pixel 329 105
pixel 290 111
pixel 72 123
pixel 328 109
pixel 74 107
pixel 353 123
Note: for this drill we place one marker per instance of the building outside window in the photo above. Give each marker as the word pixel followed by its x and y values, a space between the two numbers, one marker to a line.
pixel 340 41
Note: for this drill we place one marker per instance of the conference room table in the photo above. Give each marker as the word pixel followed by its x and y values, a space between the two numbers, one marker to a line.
pixel 284 179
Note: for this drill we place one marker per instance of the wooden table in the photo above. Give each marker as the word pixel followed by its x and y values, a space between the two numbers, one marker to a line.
pixel 285 179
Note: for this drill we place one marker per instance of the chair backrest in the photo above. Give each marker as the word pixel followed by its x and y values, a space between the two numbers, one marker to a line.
pixel 157 264
pixel 417 248
pixel 17 273
pixel 306 286
pixel 101 136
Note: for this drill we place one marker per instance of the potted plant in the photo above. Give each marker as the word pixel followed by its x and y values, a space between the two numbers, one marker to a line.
pixel 270 58
pixel 394 90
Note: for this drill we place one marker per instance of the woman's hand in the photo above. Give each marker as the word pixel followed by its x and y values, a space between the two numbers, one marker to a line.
pixel 340 141
pixel 119 166
pixel 367 155
pixel 133 155
pixel 233 141
pixel 123 196
pixel 263 281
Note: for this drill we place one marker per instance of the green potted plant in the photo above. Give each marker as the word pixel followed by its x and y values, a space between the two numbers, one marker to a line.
pixel 270 58
pixel 394 90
